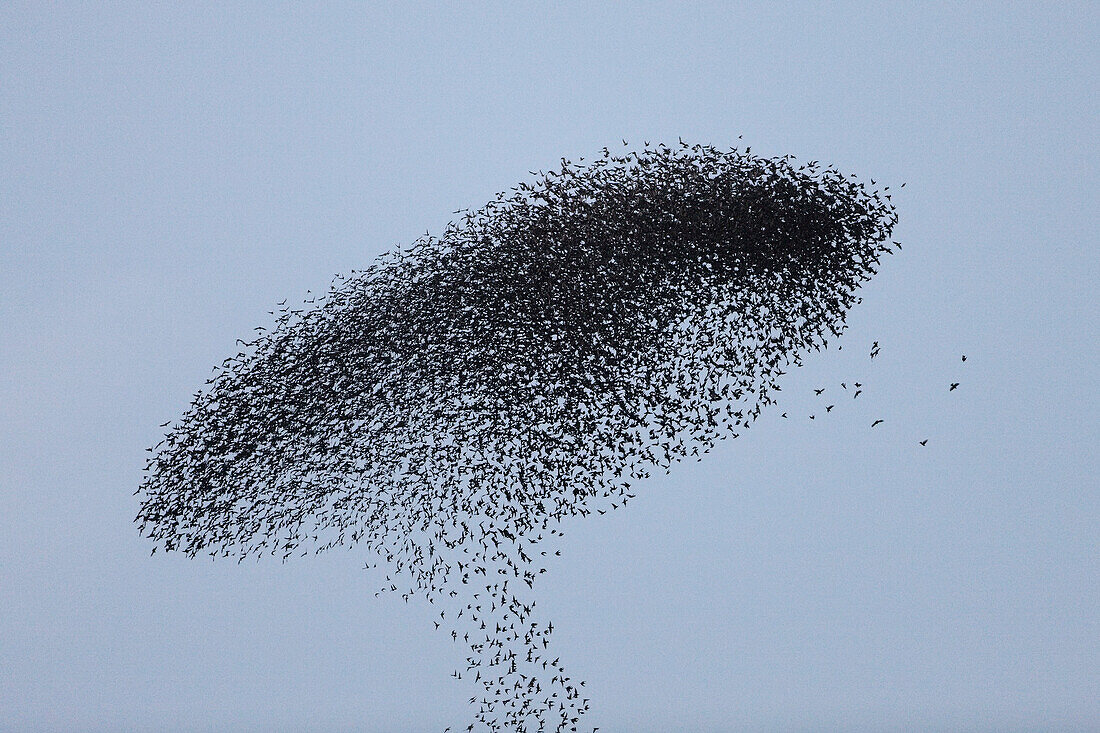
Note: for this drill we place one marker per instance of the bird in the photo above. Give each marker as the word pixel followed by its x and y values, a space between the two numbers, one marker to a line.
pixel 964 357
pixel 829 408
pixel 819 391
pixel 953 387
pixel 876 422
pixel 924 442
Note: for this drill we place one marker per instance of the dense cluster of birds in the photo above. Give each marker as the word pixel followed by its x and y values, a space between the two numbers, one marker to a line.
pixel 447 407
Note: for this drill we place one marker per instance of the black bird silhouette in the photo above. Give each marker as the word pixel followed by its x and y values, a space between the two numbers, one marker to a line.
pixel 964 357
pixel 953 387
pixel 876 422
pixel 924 442
pixel 449 406
pixel 819 391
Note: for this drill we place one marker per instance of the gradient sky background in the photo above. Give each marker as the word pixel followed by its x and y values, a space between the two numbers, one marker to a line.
pixel 169 171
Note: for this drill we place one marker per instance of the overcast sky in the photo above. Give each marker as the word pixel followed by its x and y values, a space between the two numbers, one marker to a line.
pixel 169 171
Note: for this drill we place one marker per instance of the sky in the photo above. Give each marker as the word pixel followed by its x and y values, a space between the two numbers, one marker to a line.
pixel 169 172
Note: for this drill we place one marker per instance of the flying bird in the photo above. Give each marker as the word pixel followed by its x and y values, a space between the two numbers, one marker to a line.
pixel 447 407
pixel 953 387
pixel 876 422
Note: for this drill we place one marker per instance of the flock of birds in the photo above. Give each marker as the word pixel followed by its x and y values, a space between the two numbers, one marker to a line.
pixel 857 389
pixel 449 406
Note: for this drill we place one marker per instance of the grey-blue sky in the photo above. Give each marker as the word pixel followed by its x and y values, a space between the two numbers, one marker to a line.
pixel 167 174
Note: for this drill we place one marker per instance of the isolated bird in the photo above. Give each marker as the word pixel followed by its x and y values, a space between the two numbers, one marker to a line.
pixel 953 387
pixel 876 422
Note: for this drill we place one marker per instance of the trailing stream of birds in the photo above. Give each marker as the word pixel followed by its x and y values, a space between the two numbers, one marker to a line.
pixel 447 407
